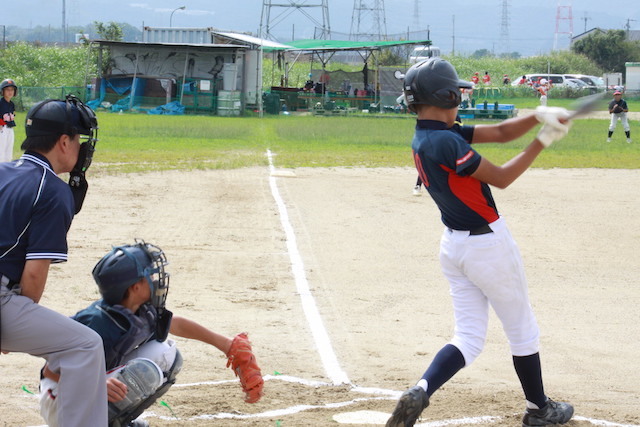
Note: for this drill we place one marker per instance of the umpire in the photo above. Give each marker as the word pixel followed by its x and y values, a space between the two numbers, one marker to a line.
pixel 36 210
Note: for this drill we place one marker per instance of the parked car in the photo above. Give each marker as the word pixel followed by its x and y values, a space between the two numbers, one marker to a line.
pixel 422 52
pixel 555 79
pixel 593 81
pixel 579 85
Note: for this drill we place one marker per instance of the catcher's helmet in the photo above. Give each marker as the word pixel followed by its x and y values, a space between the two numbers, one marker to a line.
pixel 125 265
pixel 433 82
pixel 56 117
pixel 8 83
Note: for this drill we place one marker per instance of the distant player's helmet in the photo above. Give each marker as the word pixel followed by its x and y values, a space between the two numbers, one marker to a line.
pixel 125 265
pixel 433 82
pixel 70 117
pixel 8 83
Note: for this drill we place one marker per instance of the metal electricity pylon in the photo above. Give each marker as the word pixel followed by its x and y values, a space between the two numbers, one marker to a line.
pixel 286 7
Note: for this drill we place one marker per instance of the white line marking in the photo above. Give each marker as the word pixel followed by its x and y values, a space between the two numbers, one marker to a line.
pixel 320 335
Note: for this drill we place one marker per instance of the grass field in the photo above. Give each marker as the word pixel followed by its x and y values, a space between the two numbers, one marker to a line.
pixel 135 142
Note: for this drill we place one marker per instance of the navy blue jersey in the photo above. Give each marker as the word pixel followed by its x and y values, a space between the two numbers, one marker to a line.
pixel 445 163
pixel 121 330
pixel 622 104
pixel 7 113
pixel 36 210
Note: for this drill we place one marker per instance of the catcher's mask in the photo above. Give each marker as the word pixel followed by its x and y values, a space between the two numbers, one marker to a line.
pixel 125 265
pixel 66 117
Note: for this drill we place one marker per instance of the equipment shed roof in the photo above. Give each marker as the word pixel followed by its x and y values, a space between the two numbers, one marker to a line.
pixel 343 45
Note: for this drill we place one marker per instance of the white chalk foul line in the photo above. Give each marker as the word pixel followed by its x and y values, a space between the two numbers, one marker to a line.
pixel 318 331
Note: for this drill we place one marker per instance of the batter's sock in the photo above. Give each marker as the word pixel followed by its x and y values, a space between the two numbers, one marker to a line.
pixel 445 365
pixel 628 133
pixel 530 375
pixel 610 133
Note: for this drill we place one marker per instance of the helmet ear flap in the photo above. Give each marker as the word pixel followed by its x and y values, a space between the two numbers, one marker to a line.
pixel 448 98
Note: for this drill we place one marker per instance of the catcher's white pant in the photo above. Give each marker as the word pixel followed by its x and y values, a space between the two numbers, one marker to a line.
pixel 614 121
pixel 6 144
pixel 487 270
pixel 160 354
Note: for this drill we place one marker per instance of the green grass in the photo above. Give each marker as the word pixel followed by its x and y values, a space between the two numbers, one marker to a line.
pixel 138 143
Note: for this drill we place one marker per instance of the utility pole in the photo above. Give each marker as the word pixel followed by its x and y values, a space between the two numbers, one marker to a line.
pixel 504 27
pixel 585 18
pixel 628 26
pixel 64 22
pixel 453 35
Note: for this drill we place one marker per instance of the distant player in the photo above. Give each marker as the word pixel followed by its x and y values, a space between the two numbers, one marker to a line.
pixel 133 322
pixel 478 255
pixel 543 89
pixel 618 109
pixel 8 90
pixel 486 79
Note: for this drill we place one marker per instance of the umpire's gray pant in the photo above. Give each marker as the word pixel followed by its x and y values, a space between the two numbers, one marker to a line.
pixel 70 349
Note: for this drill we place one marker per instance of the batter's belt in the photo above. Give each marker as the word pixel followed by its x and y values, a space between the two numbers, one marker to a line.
pixel 485 229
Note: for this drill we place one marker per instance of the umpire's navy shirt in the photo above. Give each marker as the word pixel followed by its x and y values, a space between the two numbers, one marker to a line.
pixel 36 210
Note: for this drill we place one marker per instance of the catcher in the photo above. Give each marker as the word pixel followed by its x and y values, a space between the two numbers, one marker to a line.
pixel 618 109
pixel 142 364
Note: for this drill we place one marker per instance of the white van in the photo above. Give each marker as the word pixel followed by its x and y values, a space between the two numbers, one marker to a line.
pixel 422 52
pixel 564 80
pixel 555 79
pixel 592 81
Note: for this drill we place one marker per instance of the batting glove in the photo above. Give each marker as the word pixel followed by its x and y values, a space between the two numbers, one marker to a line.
pixel 551 132
pixel 551 115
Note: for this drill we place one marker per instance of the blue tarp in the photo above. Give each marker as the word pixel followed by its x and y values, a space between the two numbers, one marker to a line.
pixel 172 108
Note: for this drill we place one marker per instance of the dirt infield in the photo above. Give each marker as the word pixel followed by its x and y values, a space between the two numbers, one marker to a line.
pixel 369 249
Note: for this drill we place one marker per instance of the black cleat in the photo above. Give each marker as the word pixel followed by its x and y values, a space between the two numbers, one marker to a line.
pixel 551 413
pixel 409 407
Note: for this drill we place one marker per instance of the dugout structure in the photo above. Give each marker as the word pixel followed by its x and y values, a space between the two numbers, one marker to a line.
pixel 339 91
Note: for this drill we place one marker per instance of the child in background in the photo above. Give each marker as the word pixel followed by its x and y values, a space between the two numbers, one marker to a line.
pixel 8 90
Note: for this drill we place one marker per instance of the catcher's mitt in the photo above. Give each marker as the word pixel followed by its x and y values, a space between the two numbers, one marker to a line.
pixel 244 365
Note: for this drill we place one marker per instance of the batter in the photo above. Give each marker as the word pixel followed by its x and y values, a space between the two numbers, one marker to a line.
pixel 478 256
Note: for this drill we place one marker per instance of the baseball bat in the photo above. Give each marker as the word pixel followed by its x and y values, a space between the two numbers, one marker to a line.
pixel 586 104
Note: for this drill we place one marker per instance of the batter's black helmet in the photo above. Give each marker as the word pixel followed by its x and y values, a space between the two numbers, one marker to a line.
pixel 433 82
pixel 56 117
pixel 125 265
pixel 8 83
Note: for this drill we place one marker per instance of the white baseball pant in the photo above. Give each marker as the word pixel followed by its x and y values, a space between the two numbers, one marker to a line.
pixel 487 270
pixel 614 121
pixel 6 144
pixel 163 354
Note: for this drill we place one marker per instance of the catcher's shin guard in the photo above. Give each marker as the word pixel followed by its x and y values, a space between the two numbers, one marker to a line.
pixel 123 418
pixel 245 366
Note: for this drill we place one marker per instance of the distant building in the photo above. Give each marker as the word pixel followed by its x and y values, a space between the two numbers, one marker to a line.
pixel 632 35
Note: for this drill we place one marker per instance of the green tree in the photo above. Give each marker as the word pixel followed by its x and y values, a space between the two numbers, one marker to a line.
pixel 609 50
pixel 111 31
pixel 481 53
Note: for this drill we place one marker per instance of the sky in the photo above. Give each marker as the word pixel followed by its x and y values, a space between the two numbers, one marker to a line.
pixel 452 25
